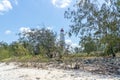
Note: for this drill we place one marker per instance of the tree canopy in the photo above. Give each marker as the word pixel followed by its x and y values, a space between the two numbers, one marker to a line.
pixel 37 39
pixel 101 22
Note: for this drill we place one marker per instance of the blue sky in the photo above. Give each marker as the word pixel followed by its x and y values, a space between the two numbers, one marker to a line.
pixel 19 15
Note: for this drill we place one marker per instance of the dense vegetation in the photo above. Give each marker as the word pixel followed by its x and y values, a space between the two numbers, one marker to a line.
pixel 97 26
pixel 36 42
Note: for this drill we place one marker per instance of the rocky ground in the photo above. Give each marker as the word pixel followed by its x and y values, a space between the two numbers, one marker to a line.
pixel 12 71
pixel 74 69
pixel 104 66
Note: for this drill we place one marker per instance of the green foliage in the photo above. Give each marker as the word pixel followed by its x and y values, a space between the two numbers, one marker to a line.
pixel 96 26
pixel 102 23
pixel 4 54
pixel 89 44
pixel 113 46
pixel 118 2
pixel 18 49
pixel 36 43
pixel 77 50
pixel 39 41
pixel 4 51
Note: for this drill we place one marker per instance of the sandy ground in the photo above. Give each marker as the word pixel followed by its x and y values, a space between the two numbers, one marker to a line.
pixel 13 72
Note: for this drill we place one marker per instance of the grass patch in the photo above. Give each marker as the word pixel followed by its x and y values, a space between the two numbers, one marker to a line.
pixel 26 58
pixel 5 57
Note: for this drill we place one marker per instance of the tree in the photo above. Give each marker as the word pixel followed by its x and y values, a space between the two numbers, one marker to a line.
pixel 3 45
pixel 89 44
pixel 39 39
pixel 88 18
pixel 118 3
pixel 78 50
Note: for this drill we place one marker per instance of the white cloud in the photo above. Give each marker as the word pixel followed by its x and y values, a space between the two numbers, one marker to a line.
pixel 24 29
pixel 75 45
pixel 71 46
pixel 5 5
pixel 8 32
pixel 50 28
pixel 61 3
pixel 70 43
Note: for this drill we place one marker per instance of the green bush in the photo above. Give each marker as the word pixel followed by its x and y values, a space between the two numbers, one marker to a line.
pixel 4 54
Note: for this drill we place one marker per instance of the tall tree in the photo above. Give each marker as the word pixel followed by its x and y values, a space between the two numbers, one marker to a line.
pixel 39 38
pixel 99 21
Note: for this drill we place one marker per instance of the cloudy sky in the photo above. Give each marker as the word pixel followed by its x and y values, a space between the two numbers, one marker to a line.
pixel 19 15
